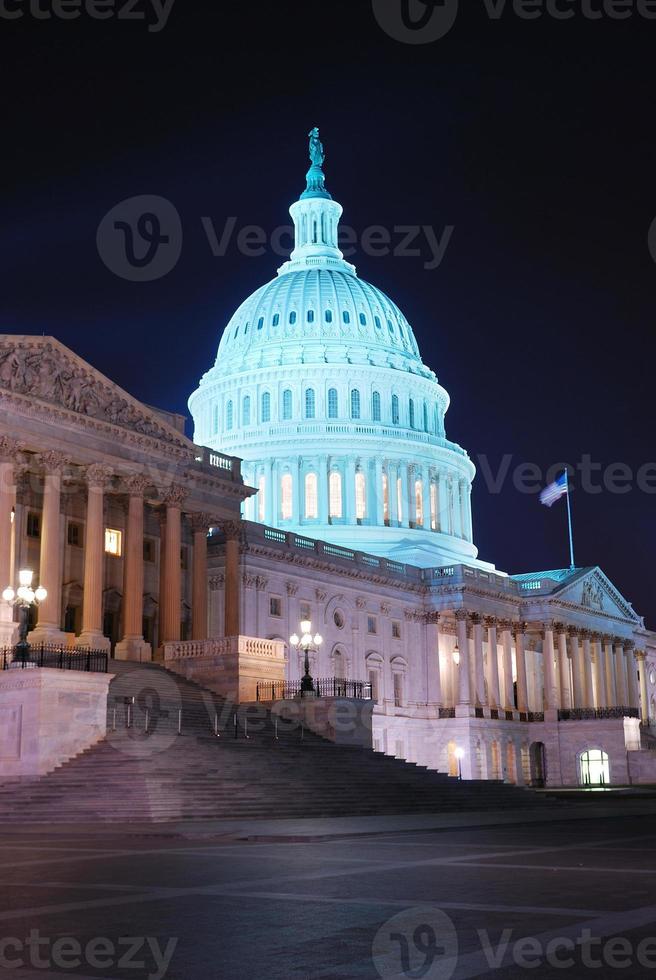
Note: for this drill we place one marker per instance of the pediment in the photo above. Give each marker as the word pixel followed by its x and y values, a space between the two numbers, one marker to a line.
pixel 593 591
pixel 44 370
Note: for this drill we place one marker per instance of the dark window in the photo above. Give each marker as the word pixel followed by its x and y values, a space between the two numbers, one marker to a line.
pixel 372 626
pixel 396 629
pixel 275 606
pixel 149 550
pixel 33 525
pixel 74 536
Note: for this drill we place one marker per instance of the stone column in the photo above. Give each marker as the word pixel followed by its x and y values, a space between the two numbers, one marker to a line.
pixel 609 666
pixel 644 695
pixel 92 637
pixel 200 524
pixel 410 503
pixel 548 663
pixel 171 580
pixel 492 663
pixel 48 628
pixel 132 645
pixel 443 524
pixel 9 456
pixel 588 689
pixel 479 665
pixel 577 675
pixel 464 692
pixel 232 532
pixel 508 689
pixel 520 658
pixel 563 668
pixel 600 672
pixel 620 675
pixel 632 674
pixel 468 510
pixel 434 683
pixel 348 493
pixel 457 516
pixel 378 514
pixel 393 499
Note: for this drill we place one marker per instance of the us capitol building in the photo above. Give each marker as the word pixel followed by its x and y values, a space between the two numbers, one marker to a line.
pixel 352 509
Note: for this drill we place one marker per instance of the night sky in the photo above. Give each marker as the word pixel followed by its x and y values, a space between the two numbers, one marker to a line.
pixel 534 139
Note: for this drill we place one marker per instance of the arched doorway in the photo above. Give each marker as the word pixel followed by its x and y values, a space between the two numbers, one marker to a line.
pixel 538 764
pixel 595 768
pixel 511 767
pixel 496 760
pixel 452 759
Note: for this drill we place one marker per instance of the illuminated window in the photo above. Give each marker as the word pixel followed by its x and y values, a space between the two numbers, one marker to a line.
pixel 286 497
pixel 266 407
pixel 246 411
pixel 433 505
pixel 333 404
pixel 355 404
pixel 113 542
pixel 360 496
pixel 261 499
pixel 395 409
pixel 311 496
pixel 375 406
pixel 419 501
pixel 229 416
pixel 399 499
pixel 286 404
pixel 310 403
pixel 411 412
pixel 386 500
pixel 335 494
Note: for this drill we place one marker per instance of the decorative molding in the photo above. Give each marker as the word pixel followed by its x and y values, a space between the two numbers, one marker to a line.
pixel 361 602
pixel 292 588
pixel 320 596
pixel 136 484
pixel 175 495
pixel 98 476
pixel 53 462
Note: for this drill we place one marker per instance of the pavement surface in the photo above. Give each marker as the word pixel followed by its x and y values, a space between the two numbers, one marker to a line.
pixel 332 900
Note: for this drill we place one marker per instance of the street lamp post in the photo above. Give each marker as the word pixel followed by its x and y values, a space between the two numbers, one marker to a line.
pixel 306 642
pixel 460 754
pixel 24 597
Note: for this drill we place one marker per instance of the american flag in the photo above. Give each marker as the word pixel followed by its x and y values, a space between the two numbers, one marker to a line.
pixel 555 491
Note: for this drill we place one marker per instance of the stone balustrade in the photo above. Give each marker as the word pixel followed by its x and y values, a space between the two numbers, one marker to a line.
pixel 251 646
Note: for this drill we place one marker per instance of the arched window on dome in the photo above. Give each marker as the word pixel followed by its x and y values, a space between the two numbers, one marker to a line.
pixel 375 406
pixel 333 404
pixel 276 320
pixel 310 316
pixel 433 505
pixel 329 316
pixel 315 232
pixel 377 322
pixel 261 499
pixel 215 420
pixel 399 500
pixel 395 410
pixel 411 413
pixel 286 497
pixel 229 415
pixel 310 403
pixel 363 319
pixel 246 328
pixel 425 417
pixel 335 495
pixel 292 317
pixel 386 499
pixel 246 410
pixel 311 497
pixel 390 327
pixel 260 323
pixel 346 316
pixel 355 404
pixel 286 405
pixel 419 503
pixel 266 407
pixel 360 496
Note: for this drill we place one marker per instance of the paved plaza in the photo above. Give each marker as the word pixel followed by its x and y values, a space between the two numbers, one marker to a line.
pixel 311 900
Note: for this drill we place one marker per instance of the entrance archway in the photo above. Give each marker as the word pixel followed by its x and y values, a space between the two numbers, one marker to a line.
pixel 538 764
pixel 595 768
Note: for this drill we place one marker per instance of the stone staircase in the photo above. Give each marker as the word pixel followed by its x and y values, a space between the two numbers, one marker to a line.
pixel 171 754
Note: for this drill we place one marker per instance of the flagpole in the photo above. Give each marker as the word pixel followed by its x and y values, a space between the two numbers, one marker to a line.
pixel 569 524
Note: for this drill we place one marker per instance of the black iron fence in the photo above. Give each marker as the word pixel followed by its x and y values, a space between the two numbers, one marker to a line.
pixel 596 714
pixel 49 655
pixel 326 687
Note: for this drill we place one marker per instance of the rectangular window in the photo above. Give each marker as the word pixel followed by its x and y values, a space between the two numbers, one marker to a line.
pixel 33 525
pixel 184 559
pixel 398 690
pixel 74 534
pixel 306 612
pixel 275 606
pixel 373 680
pixel 396 629
pixel 149 550
pixel 372 625
pixel 113 542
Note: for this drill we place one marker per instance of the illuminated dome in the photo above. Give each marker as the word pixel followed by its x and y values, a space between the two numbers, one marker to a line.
pixel 319 387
